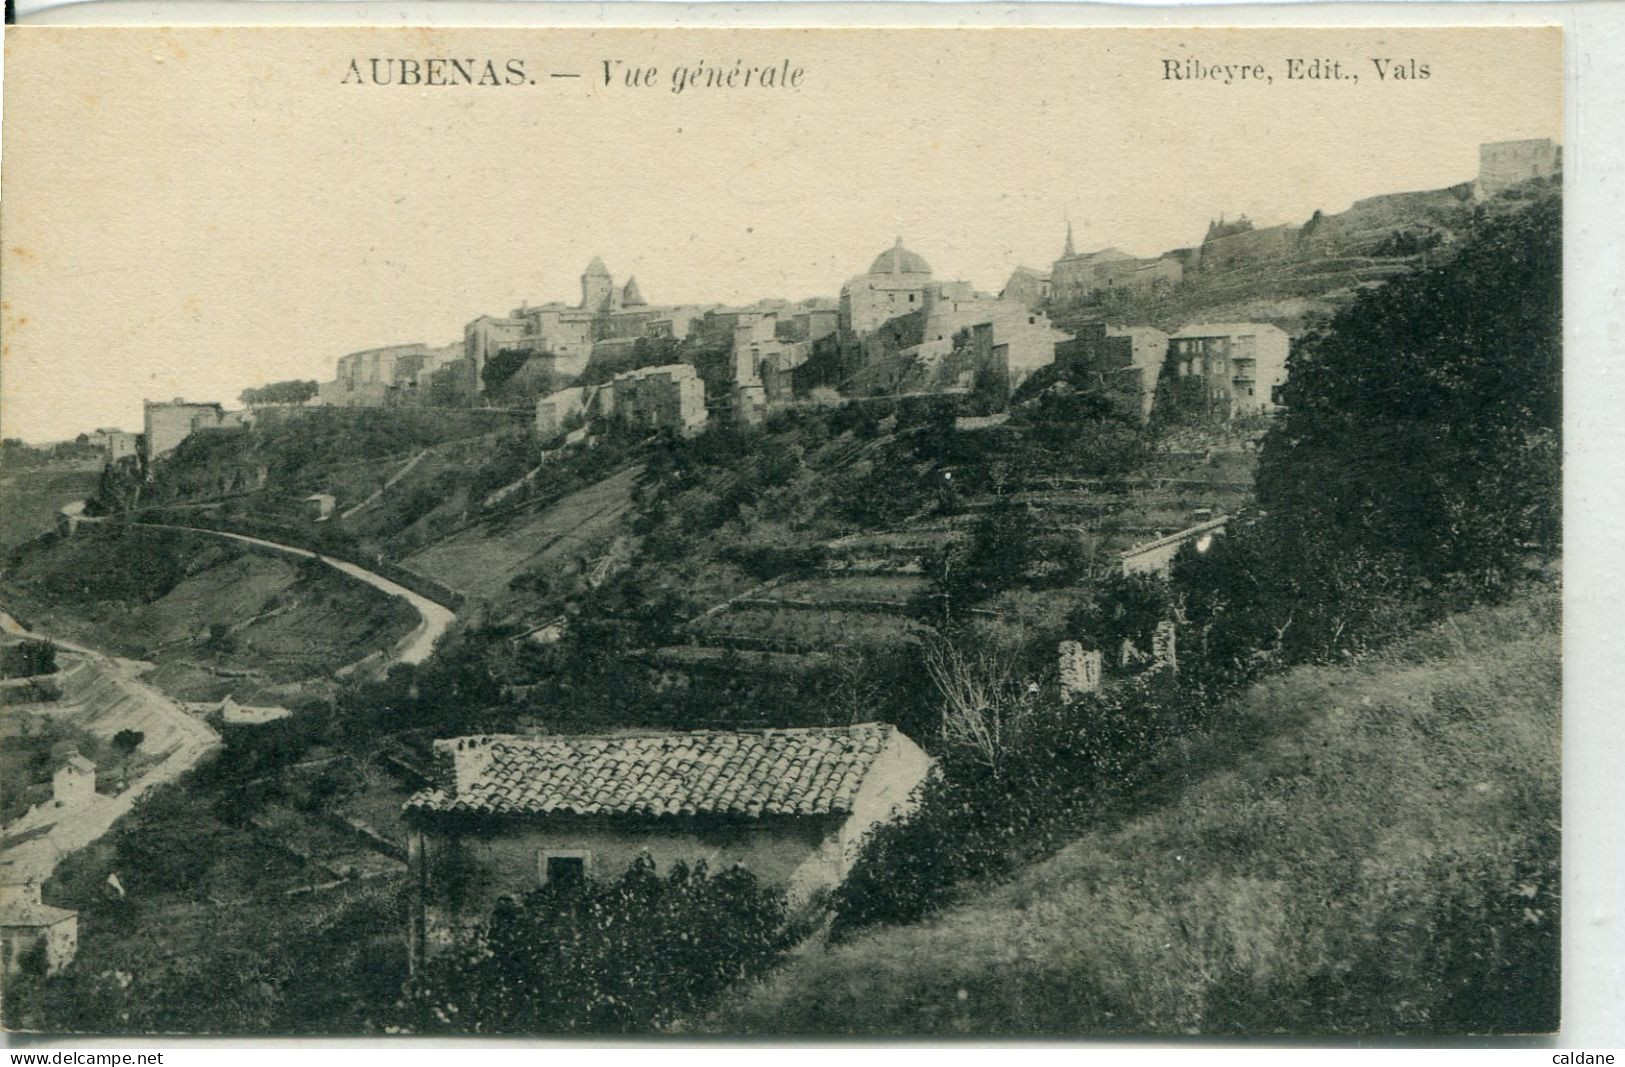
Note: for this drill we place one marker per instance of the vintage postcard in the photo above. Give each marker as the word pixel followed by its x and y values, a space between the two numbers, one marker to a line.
pixel 899 532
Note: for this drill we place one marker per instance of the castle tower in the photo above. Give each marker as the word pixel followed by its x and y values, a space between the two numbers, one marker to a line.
pixel 597 287
pixel 1070 250
pixel 631 297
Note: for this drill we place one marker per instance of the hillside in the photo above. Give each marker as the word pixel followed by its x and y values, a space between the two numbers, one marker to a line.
pixel 1369 848
pixel 1295 276
pixel 218 617
pixel 30 499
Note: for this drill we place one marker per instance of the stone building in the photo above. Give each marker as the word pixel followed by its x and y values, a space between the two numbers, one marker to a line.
pixel 1027 287
pixel 320 506
pixel 74 783
pixel 116 443
pixel 1241 364
pixel 568 335
pixel 1020 339
pixel 1126 360
pixel 169 422
pixel 28 926
pixel 1079 276
pixel 1504 164
pixel 897 282
pixel 1156 556
pixel 507 814
pixel 668 397
pixel 553 410
pixel 373 377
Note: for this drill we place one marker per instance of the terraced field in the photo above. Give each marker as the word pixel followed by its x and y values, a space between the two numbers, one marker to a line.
pixel 770 629
pixel 884 593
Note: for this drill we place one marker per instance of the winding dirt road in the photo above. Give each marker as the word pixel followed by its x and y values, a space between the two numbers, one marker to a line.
pixel 433 619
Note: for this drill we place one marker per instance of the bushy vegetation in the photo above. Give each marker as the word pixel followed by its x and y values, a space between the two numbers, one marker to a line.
pixel 114 562
pixel 33 746
pixel 289 392
pixel 327 963
pixel 642 952
pixel 1340 563
pixel 27 659
pixel 1368 848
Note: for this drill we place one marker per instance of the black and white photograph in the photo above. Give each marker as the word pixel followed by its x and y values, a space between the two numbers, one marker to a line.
pixel 782 533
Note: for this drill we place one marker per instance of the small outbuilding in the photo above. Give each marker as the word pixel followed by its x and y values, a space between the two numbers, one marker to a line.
pixel 321 505
pixel 74 783
pixel 508 814
pixel 231 713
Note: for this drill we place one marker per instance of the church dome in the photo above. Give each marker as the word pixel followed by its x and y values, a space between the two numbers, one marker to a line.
pixel 899 260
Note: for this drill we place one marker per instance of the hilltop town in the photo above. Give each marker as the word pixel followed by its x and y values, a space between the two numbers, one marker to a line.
pixel 867 622
pixel 1235 300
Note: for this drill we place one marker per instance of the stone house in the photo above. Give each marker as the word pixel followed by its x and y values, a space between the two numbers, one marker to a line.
pixel 554 409
pixel 667 397
pixel 1126 360
pixel 28 925
pixel 74 783
pixel 1028 287
pixel 1242 364
pixel 166 423
pixel 321 505
pixel 508 814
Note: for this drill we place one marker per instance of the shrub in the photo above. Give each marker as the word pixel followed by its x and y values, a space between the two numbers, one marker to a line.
pixel 27 659
pixel 642 952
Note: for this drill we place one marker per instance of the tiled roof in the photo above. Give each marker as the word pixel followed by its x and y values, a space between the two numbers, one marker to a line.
pixel 816 771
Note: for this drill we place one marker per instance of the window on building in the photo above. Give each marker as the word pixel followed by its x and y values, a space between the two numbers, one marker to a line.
pixel 564 867
pixel 911 298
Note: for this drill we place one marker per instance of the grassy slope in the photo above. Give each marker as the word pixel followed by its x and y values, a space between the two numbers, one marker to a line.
pixel 481 560
pixel 29 499
pixel 284 621
pixel 1333 863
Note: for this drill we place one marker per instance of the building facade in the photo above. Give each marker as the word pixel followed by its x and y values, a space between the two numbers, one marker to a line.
pixel 1242 365
pixel 1080 276
pixel 1126 360
pixel 567 335
pixel 1027 287
pixel 166 423
pixel 898 282
pixel 1504 164
pixel 667 397
pixel 377 376
pixel 508 814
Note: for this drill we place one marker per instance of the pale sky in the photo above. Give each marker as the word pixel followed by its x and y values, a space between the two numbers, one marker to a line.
pixel 191 212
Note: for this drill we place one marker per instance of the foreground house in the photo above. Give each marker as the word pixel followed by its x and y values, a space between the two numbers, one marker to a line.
pixel 509 814
pixel 28 926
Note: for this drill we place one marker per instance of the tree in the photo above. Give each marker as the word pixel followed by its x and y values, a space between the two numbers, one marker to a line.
pixel 28 659
pixel 127 741
pixel 502 366
pixel 1424 422
pixel 288 392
